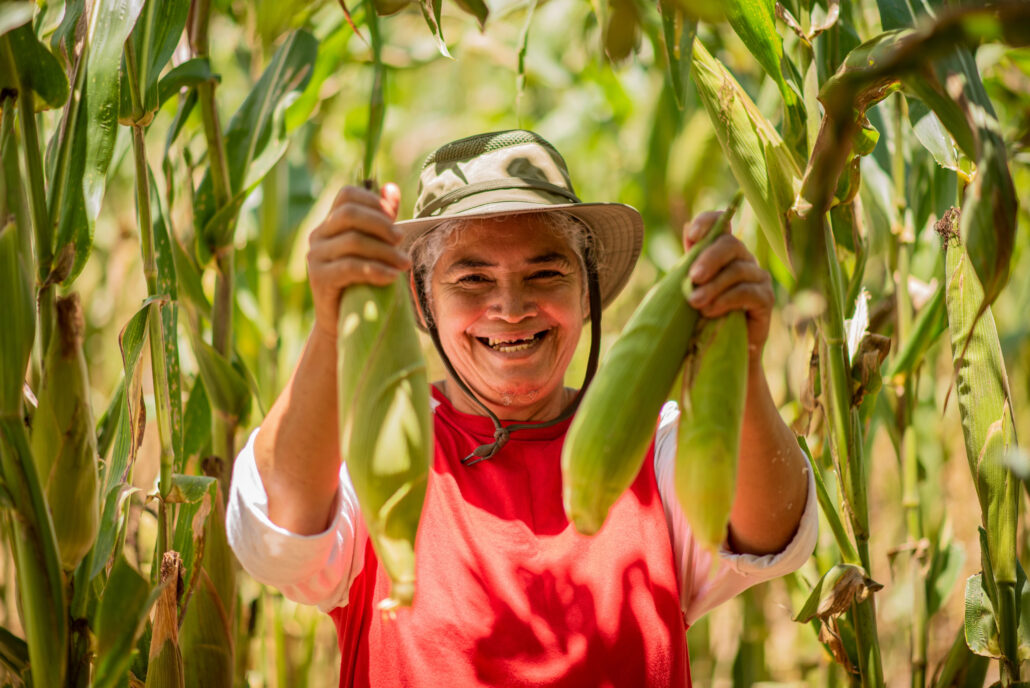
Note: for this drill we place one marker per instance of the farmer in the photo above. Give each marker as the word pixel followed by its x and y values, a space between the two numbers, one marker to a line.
pixel 505 260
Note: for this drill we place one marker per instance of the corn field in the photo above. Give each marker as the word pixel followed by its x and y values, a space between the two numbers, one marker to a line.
pixel 162 162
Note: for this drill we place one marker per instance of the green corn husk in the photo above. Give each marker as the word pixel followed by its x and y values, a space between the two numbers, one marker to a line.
pixel 760 161
pixel 206 641
pixel 16 285
pixel 985 407
pixel 711 418
pixel 988 428
pixel 165 668
pixel 63 440
pixel 612 429
pixel 385 423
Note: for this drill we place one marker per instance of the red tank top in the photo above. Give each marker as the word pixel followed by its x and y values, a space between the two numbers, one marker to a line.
pixel 508 594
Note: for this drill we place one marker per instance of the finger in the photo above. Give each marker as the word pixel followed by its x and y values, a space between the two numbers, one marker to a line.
pixel 356 217
pixel 356 194
pixel 736 272
pixel 358 245
pixel 722 252
pixel 697 228
pixel 344 272
pixel 390 199
pixel 753 298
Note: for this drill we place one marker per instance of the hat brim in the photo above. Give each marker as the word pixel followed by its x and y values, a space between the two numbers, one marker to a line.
pixel 617 229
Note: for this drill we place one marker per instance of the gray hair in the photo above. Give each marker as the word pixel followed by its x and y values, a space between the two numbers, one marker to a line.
pixel 426 250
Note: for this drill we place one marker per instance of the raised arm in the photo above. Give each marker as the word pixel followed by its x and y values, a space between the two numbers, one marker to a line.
pixel 297 448
pixel 772 480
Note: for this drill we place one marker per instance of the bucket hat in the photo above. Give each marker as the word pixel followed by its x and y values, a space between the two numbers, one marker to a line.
pixel 517 171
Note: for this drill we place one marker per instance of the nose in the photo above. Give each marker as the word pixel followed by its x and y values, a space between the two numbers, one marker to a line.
pixel 512 303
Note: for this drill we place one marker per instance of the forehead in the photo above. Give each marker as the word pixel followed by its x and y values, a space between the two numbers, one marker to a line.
pixel 512 237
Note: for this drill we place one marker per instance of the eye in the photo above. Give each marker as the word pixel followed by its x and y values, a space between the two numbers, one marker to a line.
pixel 546 274
pixel 472 279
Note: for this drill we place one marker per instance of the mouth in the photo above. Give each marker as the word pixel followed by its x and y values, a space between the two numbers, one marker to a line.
pixel 507 345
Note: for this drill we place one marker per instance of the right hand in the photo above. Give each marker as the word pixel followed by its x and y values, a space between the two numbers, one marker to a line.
pixel 357 243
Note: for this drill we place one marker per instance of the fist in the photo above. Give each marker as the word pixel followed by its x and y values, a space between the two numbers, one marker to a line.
pixel 357 243
pixel 727 277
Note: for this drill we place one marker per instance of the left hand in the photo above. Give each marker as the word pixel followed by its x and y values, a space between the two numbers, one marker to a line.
pixel 727 277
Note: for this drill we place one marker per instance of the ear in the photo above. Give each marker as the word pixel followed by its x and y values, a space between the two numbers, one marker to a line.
pixel 417 301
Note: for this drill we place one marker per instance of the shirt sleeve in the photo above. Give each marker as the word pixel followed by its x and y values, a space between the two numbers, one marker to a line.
pixel 704 584
pixel 310 569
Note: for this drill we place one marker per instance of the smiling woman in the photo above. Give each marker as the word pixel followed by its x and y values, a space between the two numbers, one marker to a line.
pixel 508 265
pixel 508 299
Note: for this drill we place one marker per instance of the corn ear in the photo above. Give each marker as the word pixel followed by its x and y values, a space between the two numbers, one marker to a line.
pixel 984 403
pixel 612 429
pixel 385 423
pixel 63 440
pixel 165 669
pixel 207 631
pixel 760 161
pixel 16 335
pixel 711 417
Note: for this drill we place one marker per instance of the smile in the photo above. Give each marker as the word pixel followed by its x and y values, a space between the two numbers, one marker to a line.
pixel 512 345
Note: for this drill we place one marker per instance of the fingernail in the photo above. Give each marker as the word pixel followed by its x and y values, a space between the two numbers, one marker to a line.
pixel 695 273
pixel 696 297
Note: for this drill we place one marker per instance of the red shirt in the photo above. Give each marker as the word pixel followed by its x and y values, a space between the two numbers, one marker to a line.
pixel 508 594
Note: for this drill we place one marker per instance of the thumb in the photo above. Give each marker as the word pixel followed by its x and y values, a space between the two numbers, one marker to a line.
pixel 390 199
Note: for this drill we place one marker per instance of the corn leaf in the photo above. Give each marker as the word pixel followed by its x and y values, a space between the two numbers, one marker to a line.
pixel 153 41
pixel 110 24
pixel 835 592
pixel 678 34
pixel 227 389
pixel 196 432
pixel 931 323
pixel 184 76
pixel 121 613
pixel 14 653
pixel 167 282
pixel 38 69
pixel 431 14
pixel 15 14
pixel 256 125
pixel 196 496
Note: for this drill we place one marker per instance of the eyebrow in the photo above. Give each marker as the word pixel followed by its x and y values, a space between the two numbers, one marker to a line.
pixel 474 263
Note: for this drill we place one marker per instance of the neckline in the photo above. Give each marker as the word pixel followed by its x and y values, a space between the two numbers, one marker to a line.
pixel 482 426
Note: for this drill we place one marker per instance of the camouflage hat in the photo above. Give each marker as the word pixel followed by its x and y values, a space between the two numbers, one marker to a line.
pixel 514 172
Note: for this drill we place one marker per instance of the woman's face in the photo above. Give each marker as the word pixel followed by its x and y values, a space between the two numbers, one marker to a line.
pixel 507 296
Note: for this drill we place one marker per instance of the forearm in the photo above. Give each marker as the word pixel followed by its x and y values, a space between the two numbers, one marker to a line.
pixel 297 449
pixel 772 483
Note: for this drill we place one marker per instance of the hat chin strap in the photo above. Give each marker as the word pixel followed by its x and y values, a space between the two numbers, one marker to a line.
pixel 503 433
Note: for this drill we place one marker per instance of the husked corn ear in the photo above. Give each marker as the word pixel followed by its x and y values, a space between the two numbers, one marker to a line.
pixel 613 427
pixel 385 423
pixel 759 159
pixel 711 417
pixel 63 441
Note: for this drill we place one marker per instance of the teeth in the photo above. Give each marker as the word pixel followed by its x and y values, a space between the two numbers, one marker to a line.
pixel 510 345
